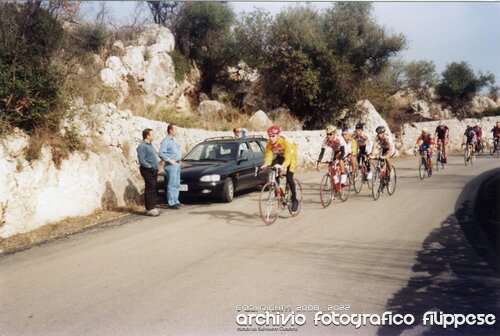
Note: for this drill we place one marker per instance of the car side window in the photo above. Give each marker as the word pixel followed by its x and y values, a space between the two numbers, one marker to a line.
pixel 257 150
pixel 244 151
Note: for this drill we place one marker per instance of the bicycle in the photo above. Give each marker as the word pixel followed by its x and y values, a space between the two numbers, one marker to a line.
pixel 361 176
pixel 382 179
pixel 439 156
pixel 424 166
pixel 495 147
pixel 469 155
pixel 480 146
pixel 331 184
pixel 274 197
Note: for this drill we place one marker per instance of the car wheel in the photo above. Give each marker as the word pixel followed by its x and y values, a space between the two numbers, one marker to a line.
pixel 228 191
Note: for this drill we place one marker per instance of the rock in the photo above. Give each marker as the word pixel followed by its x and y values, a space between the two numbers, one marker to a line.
pixel 212 109
pixel 203 97
pixel 242 72
pixel 110 78
pixel 159 77
pixel 165 42
pixel 279 112
pixel 134 61
pixel 118 45
pixel 260 121
pixel 371 120
pixel 481 103
pixel 420 107
pixel 115 64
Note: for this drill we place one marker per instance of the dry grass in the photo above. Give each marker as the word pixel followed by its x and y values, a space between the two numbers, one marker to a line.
pixel 64 228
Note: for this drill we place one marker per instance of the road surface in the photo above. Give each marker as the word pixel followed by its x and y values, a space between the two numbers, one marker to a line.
pixel 194 271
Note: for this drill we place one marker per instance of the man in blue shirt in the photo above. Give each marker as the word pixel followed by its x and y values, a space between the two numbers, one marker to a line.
pixel 170 153
pixel 148 159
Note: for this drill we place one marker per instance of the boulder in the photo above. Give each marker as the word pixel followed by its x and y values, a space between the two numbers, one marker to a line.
pixel 421 107
pixel 159 76
pixel 212 109
pixel 260 121
pixel 118 45
pixel 134 61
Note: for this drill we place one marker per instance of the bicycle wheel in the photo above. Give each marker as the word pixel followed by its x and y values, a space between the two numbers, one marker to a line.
pixel 422 169
pixel 298 190
pixel 357 181
pixel 369 181
pixel 391 185
pixel 326 190
pixel 492 149
pixel 344 191
pixel 438 161
pixel 269 203
pixel 466 156
pixel 376 184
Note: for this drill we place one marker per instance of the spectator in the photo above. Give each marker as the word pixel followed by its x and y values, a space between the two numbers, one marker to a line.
pixel 170 153
pixel 239 132
pixel 148 159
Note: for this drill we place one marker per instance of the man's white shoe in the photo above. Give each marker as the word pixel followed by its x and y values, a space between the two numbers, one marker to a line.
pixel 152 212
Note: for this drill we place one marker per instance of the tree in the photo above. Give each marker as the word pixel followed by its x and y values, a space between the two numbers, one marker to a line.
pixel 29 81
pixel 163 11
pixel 203 33
pixel 459 85
pixel 420 75
pixel 316 62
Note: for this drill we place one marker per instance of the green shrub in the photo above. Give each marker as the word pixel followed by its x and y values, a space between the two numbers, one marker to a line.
pixel 181 66
pixel 91 37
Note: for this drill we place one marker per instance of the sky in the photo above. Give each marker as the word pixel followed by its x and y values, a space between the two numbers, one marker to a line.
pixel 442 32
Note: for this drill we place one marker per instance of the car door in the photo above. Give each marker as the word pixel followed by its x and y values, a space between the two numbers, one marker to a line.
pixel 258 149
pixel 245 173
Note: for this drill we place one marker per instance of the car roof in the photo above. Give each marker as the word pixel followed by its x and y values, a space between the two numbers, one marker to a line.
pixel 227 139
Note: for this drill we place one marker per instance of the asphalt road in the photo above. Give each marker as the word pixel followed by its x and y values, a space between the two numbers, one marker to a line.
pixel 188 272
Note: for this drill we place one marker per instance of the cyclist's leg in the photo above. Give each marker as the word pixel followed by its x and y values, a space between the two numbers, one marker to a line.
pixel 291 183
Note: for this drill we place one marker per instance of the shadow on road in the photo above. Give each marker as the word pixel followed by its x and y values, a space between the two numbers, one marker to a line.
pixel 456 272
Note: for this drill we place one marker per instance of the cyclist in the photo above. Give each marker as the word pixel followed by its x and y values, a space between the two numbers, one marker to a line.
pixel 479 135
pixel 496 134
pixel 424 143
pixel 338 146
pixel 470 137
pixel 362 141
pixel 442 133
pixel 282 153
pixel 352 147
pixel 382 141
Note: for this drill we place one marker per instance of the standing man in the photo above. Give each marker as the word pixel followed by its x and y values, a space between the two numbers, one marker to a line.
pixel 148 159
pixel 170 153
pixel 239 132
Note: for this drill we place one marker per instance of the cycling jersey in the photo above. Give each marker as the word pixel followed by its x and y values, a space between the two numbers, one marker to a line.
pixel 441 132
pixel 337 144
pixel 496 132
pixel 351 145
pixel 471 136
pixel 282 148
pixel 426 139
pixel 479 132
pixel 361 139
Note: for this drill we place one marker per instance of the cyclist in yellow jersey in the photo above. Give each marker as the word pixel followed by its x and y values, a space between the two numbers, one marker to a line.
pixel 281 152
pixel 351 148
pixel 363 143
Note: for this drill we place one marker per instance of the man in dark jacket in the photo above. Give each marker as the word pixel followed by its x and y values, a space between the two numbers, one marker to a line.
pixel 148 159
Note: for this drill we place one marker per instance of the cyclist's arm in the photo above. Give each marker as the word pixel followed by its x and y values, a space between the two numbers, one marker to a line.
pixel 268 159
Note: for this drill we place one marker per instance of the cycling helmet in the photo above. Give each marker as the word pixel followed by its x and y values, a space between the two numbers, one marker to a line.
pixel 345 130
pixel 273 130
pixel 425 130
pixel 359 126
pixel 330 129
pixel 380 129
pixel 441 123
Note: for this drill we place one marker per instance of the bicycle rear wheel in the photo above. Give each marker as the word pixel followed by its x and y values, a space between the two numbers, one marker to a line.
pixel 357 180
pixel 326 190
pixel 298 190
pixel 269 203
pixel 344 191
pixel 466 156
pixel 376 184
pixel 391 185
pixel 438 161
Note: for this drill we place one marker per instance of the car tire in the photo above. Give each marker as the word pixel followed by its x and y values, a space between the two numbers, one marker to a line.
pixel 228 190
